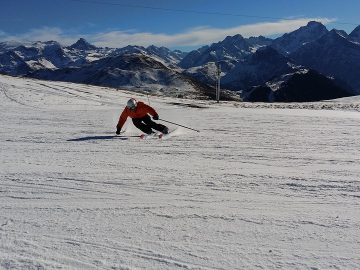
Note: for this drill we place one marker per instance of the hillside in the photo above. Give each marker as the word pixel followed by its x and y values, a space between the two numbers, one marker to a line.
pixel 257 188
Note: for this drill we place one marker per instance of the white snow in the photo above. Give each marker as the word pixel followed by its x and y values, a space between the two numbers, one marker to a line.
pixel 40 64
pixel 255 48
pixel 93 57
pixel 258 188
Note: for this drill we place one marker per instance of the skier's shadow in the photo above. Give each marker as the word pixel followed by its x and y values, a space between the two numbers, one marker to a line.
pixel 100 137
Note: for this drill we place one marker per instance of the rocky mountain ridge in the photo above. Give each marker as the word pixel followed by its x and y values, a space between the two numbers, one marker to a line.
pixel 246 63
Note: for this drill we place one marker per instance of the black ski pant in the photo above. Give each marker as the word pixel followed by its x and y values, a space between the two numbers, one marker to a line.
pixel 145 124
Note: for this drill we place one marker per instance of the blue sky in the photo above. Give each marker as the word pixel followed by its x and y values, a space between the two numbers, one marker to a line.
pixel 178 24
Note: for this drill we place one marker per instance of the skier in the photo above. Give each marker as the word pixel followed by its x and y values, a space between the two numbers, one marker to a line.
pixel 139 112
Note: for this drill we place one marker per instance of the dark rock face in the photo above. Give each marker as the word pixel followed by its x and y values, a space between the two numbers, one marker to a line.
pixel 355 35
pixel 333 55
pixel 300 87
pixel 260 67
pixel 83 45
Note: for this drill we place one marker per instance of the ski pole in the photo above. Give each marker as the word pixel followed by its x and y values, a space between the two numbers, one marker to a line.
pixel 179 125
pixel 148 98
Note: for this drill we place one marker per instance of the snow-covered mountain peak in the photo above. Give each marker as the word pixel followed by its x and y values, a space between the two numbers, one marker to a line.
pixel 38 50
pixel 159 51
pixel 41 45
pixel 82 44
pixel 312 29
pixel 165 54
pixel 130 49
pixel 229 50
pixel 290 42
pixel 230 42
pixel 10 45
pixel 49 43
pixel 235 38
pixel 162 48
pixel 260 41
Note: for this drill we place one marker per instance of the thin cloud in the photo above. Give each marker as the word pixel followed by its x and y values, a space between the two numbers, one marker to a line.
pixel 200 35
pixel 41 34
pixel 193 37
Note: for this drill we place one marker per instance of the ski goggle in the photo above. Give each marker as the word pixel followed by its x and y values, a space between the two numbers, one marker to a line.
pixel 131 107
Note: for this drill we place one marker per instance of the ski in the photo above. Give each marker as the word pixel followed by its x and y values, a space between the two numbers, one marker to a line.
pixel 148 136
pixel 154 136
pixel 164 135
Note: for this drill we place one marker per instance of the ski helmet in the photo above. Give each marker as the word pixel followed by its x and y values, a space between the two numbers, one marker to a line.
pixel 131 104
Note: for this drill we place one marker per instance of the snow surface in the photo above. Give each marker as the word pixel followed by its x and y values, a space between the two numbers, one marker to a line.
pixel 40 64
pixel 257 188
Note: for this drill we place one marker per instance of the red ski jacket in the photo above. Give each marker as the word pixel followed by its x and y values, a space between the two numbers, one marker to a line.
pixel 141 110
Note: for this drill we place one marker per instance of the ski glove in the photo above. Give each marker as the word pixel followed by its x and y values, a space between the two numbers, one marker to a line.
pixel 118 131
pixel 156 117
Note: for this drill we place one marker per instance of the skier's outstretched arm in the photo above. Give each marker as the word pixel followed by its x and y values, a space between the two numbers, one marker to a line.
pixel 122 119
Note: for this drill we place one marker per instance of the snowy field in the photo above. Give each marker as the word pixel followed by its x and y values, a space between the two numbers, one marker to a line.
pixel 257 188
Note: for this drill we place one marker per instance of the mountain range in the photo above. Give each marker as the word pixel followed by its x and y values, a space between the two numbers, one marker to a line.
pixel 253 69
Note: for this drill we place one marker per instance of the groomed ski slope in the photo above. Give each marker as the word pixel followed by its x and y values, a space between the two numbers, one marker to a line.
pixel 257 188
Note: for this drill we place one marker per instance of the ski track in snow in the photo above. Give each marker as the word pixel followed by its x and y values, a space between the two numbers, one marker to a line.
pixel 267 187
